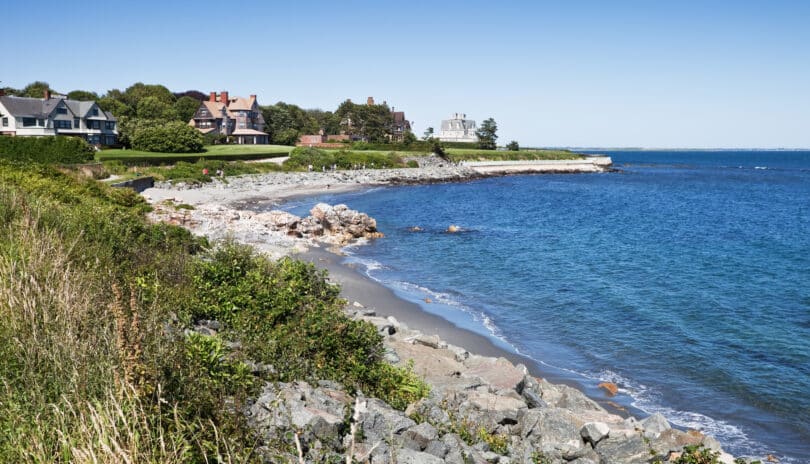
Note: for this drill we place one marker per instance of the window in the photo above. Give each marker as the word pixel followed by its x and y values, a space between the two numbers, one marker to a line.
pixel 61 110
pixel 94 124
pixel 109 140
pixel 29 122
pixel 5 122
pixel 94 111
pixel 109 125
pixel 41 122
pixel 61 124
pixel 203 112
pixel 76 122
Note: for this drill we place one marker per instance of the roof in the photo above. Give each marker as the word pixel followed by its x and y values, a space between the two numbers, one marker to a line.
pixel 22 106
pixel 248 132
pixel 399 116
pixel 240 103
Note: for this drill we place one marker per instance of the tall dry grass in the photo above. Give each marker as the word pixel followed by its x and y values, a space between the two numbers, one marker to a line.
pixel 71 349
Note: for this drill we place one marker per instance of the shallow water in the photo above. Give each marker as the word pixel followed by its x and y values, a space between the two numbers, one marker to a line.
pixel 685 279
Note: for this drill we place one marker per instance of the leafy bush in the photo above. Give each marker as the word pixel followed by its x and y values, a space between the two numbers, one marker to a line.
pixel 287 314
pixel 57 149
pixel 171 137
pixel 412 164
pixel 697 454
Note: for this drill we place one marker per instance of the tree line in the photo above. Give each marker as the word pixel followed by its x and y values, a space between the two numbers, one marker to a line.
pixel 142 107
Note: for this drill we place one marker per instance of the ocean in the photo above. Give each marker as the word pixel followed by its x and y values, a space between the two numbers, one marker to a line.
pixel 684 278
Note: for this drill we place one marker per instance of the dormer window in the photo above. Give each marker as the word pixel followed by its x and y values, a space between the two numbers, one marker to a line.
pixel 61 110
pixel 94 112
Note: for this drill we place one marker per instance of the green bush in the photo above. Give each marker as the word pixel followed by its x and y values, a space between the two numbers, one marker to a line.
pixel 57 149
pixel 412 164
pixel 303 157
pixel 171 137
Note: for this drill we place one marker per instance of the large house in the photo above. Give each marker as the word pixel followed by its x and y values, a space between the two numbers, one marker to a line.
pixel 57 115
pixel 458 129
pixel 239 119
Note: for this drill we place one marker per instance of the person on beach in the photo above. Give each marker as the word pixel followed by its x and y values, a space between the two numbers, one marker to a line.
pixel 205 171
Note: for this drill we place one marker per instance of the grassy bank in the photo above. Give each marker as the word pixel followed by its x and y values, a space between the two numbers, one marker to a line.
pixel 219 152
pixel 466 154
pixel 96 360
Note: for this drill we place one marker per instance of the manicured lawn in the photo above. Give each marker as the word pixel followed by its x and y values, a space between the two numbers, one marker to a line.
pixel 231 152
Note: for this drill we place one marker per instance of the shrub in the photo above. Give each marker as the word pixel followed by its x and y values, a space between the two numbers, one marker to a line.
pixel 412 164
pixel 57 149
pixel 513 146
pixel 171 137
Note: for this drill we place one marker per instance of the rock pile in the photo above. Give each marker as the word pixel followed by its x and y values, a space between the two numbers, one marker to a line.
pixel 276 232
pixel 480 410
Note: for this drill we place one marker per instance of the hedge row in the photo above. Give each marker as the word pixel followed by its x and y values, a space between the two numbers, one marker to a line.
pixel 418 146
pixel 56 149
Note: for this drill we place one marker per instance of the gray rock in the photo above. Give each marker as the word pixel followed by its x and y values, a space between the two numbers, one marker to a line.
pixel 550 428
pixel 654 425
pixel 408 456
pixel 380 421
pixel 712 443
pixel 594 432
pixel 437 448
pixel 421 434
pixel 630 450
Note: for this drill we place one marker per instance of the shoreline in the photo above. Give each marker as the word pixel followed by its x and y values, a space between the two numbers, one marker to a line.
pixel 221 205
pixel 374 296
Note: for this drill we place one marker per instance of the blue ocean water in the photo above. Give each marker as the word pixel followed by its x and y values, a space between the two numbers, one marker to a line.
pixel 684 278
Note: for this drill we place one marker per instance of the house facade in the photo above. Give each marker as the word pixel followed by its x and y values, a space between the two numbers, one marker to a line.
pixel 239 119
pixel 458 129
pixel 56 115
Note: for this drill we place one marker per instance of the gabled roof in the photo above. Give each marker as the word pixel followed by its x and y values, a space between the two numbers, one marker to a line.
pixel 26 107
pixel 248 132
pixel 239 103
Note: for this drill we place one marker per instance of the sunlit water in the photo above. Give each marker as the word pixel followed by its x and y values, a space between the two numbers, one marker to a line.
pixel 685 279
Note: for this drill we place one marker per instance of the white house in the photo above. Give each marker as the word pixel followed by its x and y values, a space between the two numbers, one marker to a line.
pixel 458 129
pixel 56 115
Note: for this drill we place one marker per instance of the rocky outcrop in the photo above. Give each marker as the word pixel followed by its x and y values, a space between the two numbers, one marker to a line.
pixel 275 232
pixel 480 410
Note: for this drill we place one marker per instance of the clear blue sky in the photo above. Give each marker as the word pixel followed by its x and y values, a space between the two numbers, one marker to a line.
pixel 567 73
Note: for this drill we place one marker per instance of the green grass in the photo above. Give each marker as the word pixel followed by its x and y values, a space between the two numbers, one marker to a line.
pixel 95 361
pixel 465 154
pixel 229 152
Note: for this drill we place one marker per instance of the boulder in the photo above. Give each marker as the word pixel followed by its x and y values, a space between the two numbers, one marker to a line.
pixel 627 450
pixel 421 435
pixel 594 432
pixel 379 421
pixel 654 425
pixel 497 372
pixel 409 456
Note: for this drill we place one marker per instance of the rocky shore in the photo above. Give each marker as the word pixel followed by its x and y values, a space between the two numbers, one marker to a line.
pixel 481 409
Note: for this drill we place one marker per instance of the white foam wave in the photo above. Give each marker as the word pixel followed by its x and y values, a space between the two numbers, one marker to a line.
pixel 649 400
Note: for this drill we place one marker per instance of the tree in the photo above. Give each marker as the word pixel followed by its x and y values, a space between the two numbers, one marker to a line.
pixel 171 137
pixel 286 123
pixel 82 95
pixel 138 91
pixel 408 138
pixel 372 123
pixel 487 136
pixel 195 94
pixel 35 89
pixel 513 146
pixel 428 134
pixel 185 107
pixel 153 108
pixel 116 107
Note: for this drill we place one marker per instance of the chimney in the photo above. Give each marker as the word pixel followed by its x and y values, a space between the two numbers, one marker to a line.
pixel 212 97
pixel 47 94
pixel 223 97
pixel 370 101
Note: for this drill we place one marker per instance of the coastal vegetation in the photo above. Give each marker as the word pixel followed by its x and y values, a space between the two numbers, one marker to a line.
pixel 303 158
pixel 458 154
pixel 57 149
pixel 126 341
